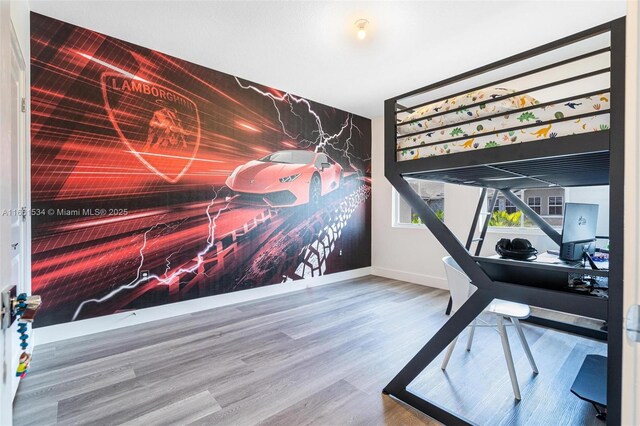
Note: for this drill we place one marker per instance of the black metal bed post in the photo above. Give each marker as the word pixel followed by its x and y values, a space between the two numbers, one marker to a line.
pixel 463 317
pixel 531 214
pixel 616 223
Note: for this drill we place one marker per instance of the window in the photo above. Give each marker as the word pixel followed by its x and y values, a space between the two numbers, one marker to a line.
pixel 431 192
pixel 502 204
pixel 510 207
pixel 534 203
pixel 555 206
pixel 506 214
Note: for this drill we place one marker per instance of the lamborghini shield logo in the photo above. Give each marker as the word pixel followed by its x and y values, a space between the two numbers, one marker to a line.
pixel 160 126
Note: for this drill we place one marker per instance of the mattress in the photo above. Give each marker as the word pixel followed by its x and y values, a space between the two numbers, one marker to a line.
pixel 454 133
pixel 479 103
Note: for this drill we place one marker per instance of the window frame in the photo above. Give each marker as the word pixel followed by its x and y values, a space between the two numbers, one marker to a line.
pixel 395 213
pixel 555 206
pixel 509 205
pixel 518 230
pixel 534 204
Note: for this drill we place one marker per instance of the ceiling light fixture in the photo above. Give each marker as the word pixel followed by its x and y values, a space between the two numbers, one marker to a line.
pixel 361 25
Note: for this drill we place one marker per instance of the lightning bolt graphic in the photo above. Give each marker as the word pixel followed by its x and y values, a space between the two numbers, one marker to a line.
pixel 168 263
pixel 168 279
pixel 323 138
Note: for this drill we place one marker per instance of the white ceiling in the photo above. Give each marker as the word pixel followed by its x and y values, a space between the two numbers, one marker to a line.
pixel 310 48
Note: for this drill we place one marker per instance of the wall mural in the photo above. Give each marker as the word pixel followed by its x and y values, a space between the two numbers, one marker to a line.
pixel 155 180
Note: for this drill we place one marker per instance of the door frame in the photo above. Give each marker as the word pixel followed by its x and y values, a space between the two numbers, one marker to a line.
pixel 631 350
pixel 11 53
pixel 24 168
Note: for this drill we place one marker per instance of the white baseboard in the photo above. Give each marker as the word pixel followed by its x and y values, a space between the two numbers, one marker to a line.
pixel 411 277
pixel 69 330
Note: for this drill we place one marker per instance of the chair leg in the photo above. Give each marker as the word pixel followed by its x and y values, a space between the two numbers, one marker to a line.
pixel 449 306
pixel 508 357
pixel 471 332
pixel 445 361
pixel 525 345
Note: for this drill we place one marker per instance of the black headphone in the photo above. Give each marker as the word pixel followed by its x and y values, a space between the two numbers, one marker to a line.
pixel 517 249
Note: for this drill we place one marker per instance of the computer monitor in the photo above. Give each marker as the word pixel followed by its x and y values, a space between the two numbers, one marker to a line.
pixel 578 230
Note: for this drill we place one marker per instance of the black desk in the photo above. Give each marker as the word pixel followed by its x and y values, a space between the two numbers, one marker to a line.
pixel 523 277
pixel 545 267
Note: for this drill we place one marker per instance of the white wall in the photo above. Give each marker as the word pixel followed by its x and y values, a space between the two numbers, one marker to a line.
pixel 19 12
pixel 538 239
pixel 593 195
pixel 407 254
pixel 412 254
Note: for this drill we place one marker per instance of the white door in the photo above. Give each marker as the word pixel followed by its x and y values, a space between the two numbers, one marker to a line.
pixel 19 166
pixel 13 194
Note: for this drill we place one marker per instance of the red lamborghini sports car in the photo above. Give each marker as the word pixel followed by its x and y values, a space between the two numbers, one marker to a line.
pixel 286 178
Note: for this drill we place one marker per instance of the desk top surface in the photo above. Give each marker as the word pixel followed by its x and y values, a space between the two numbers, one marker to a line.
pixel 546 258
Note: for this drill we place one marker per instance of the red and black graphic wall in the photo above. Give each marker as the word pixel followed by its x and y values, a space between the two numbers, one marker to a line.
pixel 155 180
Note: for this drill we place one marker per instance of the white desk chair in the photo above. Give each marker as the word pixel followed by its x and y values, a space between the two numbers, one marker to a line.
pixel 461 289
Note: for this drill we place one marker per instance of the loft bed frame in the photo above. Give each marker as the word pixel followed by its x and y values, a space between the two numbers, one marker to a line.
pixel 572 160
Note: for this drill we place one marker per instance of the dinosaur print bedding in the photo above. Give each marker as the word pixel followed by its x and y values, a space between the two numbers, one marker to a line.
pixel 454 134
pixel 479 103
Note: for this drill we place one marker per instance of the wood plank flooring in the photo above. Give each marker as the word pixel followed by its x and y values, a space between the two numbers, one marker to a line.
pixel 319 356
